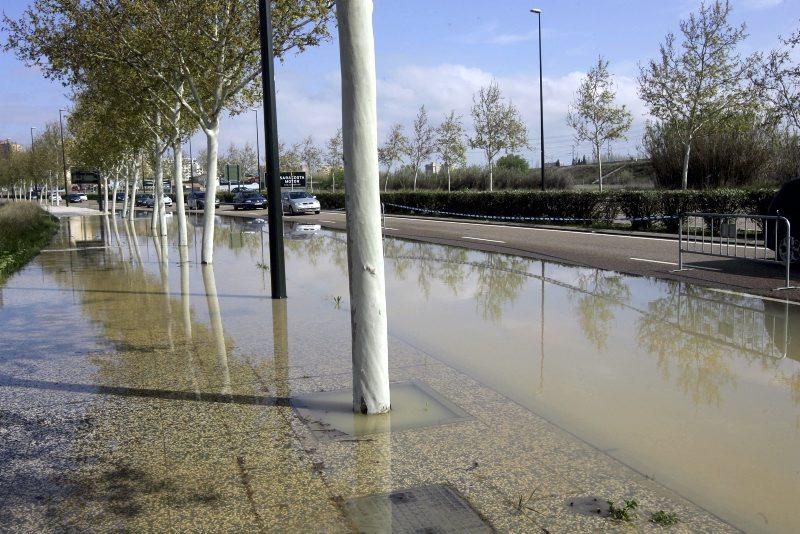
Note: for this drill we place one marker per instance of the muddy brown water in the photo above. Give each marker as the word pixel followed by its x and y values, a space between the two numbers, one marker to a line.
pixel 695 388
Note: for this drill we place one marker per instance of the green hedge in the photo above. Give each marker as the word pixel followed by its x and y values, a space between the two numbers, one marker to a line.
pixel 595 207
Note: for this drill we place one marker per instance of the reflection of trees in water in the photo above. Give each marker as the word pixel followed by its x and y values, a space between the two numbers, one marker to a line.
pixel 499 278
pixel 601 294
pixel 702 363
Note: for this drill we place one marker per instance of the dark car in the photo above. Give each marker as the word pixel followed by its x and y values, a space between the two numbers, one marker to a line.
pixel 196 200
pixel 120 196
pixel 786 203
pixel 245 200
pixel 145 199
pixel 75 197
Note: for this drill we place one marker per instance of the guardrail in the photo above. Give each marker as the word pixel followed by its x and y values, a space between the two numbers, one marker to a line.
pixel 764 238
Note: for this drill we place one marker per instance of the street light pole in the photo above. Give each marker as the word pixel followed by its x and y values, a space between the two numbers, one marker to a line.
pixel 277 264
pixel 191 164
pixel 541 93
pixel 63 154
pixel 258 154
pixel 33 162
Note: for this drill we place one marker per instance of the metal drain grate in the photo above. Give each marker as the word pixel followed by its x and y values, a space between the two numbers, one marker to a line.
pixel 425 509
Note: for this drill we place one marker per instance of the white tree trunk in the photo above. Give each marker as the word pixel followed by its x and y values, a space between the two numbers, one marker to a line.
pixel 448 178
pixel 212 146
pixel 105 194
pixel 416 172
pixel 137 170
pixel 177 186
pixel 127 193
pixel 114 195
pixel 159 176
pixel 599 166
pixel 491 176
pixel 162 207
pixel 215 318
pixel 687 149
pixel 362 201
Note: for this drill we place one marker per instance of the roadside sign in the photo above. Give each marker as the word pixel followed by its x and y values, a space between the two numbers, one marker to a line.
pixel 81 176
pixel 293 179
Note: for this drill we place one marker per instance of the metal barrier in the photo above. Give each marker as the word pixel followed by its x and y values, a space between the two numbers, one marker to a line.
pixel 736 235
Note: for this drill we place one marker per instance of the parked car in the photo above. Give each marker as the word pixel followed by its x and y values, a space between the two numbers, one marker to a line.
pixel 786 203
pixel 120 196
pixel 244 200
pixel 76 198
pixel 196 200
pixel 145 200
pixel 296 202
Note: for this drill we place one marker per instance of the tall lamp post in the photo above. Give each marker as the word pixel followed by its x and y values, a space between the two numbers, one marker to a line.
pixel 63 153
pixel 33 160
pixel 191 164
pixel 258 154
pixel 541 93
pixel 277 263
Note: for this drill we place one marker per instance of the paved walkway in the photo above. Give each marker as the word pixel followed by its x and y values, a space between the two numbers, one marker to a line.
pixel 71 211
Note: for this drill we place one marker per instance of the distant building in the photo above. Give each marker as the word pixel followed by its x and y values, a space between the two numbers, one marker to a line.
pixel 432 168
pixel 8 147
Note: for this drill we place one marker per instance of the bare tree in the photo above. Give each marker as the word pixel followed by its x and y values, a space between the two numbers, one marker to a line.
pixel 698 82
pixel 311 157
pixel 334 156
pixel 593 114
pixel 450 136
pixel 290 157
pixel 779 81
pixel 498 126
pixel 395 148
pixel 423 142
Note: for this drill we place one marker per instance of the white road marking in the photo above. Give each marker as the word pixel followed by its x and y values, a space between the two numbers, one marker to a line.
pixel 329 222
pixel 481 239
pixel 740 294
pixel 654 261
pixel 387 228
pixel 484 225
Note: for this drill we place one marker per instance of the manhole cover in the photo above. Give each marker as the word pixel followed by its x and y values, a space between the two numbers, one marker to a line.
pixel 596 506
pixel 427 509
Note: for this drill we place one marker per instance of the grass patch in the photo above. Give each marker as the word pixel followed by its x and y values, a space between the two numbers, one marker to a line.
pixel 623 513
pixel 25 229
pixel 664 518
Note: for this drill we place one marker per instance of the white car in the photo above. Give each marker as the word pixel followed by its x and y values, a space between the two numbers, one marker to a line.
pixel 297 202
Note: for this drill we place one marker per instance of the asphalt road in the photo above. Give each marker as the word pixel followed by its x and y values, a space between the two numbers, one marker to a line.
pixel 631 254
pixel 640 254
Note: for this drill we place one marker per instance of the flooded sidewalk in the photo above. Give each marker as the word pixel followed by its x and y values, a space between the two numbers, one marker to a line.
pixel 141 390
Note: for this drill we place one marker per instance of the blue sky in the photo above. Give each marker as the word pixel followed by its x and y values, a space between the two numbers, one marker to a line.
pixel 438 53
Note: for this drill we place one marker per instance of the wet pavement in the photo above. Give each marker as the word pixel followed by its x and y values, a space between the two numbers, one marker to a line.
pixel 142 392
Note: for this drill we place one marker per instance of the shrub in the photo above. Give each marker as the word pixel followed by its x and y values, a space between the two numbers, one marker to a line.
pixel 593 206
pixel 24 230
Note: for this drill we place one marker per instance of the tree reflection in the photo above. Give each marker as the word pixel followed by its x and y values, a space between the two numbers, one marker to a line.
pixel 601 294
pixel 675 329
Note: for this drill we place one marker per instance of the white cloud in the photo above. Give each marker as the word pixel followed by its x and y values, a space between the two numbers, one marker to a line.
pixel 312 106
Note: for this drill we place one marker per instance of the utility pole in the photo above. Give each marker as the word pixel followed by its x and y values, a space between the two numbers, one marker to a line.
pixel 277 262
pixel 541 93
pixel 63 154
pixel 258 154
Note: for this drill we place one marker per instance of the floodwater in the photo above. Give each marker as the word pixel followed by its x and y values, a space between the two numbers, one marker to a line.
pixel 694 388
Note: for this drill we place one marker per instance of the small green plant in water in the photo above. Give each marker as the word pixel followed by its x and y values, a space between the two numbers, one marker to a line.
pixel 624 513
pixel 523 504
pixel 262 266
pixel 337 301
pixel 664 519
